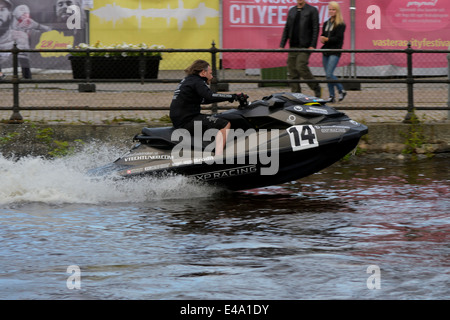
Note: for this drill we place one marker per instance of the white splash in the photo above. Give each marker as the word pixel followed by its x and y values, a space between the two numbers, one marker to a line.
pixel 116 13
pixel 64 180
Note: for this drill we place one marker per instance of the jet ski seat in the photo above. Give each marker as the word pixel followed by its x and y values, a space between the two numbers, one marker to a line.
pixel 164 133
pixel 162 138
pixel 158 137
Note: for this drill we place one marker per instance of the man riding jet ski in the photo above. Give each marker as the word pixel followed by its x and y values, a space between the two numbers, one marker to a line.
pixel 280 138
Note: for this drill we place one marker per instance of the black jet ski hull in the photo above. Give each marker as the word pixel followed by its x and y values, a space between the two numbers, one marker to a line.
pixel 245 174
pixel 292 166
pixel 293 136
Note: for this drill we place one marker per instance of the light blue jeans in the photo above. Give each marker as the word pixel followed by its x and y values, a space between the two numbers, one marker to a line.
pixel 329 64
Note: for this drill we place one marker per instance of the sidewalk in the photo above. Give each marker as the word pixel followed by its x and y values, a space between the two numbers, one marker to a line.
pixel 61 99
pixel 155 117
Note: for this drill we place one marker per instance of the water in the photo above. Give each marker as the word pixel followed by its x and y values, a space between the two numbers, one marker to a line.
pixel 172 239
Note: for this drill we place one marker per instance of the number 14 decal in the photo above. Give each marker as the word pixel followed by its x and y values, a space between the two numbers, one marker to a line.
pixel 302 137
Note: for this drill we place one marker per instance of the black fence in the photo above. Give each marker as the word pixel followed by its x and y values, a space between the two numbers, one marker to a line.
pixel 89 83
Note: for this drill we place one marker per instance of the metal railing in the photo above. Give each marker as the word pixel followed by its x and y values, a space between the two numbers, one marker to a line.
pixel 409 80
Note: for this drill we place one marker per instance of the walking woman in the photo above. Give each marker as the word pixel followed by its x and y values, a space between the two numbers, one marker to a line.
pixel 332 37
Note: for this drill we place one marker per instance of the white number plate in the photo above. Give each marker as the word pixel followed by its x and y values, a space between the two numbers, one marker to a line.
pixel 302 137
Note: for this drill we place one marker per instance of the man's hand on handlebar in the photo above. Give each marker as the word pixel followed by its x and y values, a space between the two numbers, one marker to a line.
pixel 242 99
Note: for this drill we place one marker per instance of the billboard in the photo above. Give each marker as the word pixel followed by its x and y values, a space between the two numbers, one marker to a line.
pixel 258 24
pixel 234 24
pixel 392 24
pixel 179 24
pixel 43 24
pixel 378 24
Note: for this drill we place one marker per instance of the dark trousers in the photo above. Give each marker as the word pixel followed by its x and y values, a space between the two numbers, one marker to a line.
pixel 297 65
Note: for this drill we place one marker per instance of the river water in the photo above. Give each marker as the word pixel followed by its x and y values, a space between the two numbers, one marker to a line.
pixel 365 230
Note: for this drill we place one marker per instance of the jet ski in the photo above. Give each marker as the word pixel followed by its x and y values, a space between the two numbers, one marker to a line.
pixel 280 138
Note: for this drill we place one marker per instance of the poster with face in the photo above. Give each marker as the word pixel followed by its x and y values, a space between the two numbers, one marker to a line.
pixel 43 24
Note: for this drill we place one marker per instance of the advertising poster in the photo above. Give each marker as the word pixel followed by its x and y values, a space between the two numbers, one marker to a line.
pixel 43 24
pixel 178 24
pixel 259 24
pixel 379 24
pixel 192 24
pixel 391 24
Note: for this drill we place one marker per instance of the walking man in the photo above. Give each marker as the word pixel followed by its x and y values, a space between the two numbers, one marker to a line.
pixel 302 31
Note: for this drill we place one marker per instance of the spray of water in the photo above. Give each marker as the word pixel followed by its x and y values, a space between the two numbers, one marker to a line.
pixel 64 180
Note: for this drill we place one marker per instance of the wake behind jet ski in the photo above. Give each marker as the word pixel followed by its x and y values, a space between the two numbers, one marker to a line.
pixel 280 138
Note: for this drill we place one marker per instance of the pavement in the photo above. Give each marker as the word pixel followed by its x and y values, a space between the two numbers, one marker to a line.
pixel 153 100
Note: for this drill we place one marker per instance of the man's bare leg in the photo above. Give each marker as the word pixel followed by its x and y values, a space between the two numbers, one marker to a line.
pixel 220 140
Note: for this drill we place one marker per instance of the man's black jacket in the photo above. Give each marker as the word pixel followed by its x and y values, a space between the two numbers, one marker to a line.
pixel 309 27
pixel 189 95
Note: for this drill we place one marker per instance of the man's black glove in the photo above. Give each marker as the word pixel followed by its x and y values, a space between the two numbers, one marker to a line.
pixel 233 98
pixel 241 97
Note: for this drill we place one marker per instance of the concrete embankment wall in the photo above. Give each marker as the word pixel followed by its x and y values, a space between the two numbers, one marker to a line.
pixel 393 137
pixel 31 139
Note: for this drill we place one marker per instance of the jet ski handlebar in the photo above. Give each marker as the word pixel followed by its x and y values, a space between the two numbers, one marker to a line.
pixel 242 98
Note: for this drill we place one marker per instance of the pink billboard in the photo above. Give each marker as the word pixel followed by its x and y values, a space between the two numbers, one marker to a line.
pixel 392 24
pixel 258 24
pixel 379 24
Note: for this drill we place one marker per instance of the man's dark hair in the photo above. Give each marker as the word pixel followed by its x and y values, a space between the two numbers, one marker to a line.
pixel 196 67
